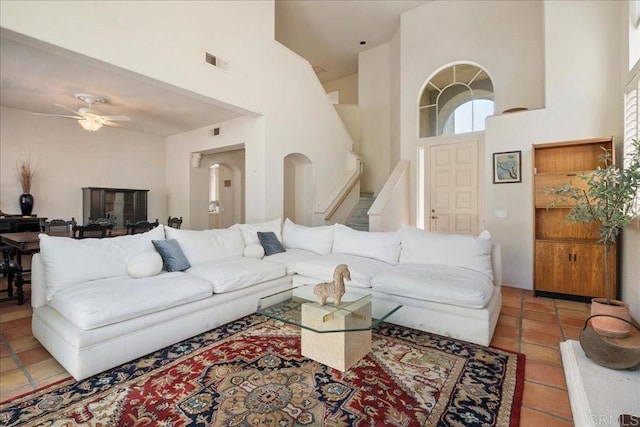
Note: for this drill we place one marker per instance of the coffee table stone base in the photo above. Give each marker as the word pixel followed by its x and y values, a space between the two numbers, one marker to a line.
pixel 339 350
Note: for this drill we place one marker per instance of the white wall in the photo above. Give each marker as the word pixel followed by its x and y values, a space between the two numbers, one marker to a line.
pixel 395 128
pixel 375 116
pixel 167 40
pixel 69 158
pixel 346 86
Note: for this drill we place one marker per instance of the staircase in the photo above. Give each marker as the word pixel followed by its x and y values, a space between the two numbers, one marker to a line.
pixel 359 220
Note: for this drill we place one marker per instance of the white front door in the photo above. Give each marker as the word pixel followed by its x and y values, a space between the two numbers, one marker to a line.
pixel 453 187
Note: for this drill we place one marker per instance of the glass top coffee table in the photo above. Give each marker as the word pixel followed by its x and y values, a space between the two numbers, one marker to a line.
pixel 337 336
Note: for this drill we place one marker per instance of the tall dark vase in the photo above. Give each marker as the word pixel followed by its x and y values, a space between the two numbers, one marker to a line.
pixel 26 204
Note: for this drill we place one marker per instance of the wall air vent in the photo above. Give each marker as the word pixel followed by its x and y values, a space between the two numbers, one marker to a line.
pixel 216 61
pixel 214 132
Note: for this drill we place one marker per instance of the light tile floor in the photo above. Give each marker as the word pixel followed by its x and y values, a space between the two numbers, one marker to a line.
pixel 530 325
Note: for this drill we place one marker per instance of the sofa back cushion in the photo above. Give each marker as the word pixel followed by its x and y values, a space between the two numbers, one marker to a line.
pixel 250 231
pixel 457 250
pixel 383 246
pixel 202 246
pixel 318 240
pixel 70 261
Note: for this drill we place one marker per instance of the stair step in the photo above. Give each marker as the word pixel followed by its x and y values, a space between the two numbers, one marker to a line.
pixel 359 219
pixel 359 227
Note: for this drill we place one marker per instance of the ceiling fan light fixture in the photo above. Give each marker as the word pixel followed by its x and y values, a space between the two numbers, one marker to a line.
pixel 89 125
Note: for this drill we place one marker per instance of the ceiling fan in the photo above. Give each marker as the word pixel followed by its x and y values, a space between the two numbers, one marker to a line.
pixel 89 119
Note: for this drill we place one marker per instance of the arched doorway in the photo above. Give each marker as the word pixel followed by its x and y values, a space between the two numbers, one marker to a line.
pixel 224 200
pixel 298 189
pixel 217 189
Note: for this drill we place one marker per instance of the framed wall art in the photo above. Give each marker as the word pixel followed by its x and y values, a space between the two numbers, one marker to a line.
pixel 507 167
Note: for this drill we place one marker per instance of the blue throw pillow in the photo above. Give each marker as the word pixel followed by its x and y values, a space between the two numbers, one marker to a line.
pixel 172 256
pixel 270 243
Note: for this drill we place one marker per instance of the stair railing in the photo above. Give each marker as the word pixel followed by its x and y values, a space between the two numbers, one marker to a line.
pixel 390 210
pixel 341 201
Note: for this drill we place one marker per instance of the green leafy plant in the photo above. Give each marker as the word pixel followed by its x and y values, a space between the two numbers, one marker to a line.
pixel 610 200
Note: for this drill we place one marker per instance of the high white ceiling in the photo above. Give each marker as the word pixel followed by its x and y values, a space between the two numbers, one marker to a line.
pixel 328 32
pixel 35 76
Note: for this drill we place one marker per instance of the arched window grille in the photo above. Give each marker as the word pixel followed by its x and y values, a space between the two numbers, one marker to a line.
pixel 456 100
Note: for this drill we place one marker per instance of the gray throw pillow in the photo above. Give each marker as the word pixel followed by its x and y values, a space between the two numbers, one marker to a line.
pixel 270 243
pixel 172 256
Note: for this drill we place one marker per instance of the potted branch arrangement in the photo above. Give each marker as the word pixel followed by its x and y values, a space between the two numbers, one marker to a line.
pixel 610 200
pixel 25 172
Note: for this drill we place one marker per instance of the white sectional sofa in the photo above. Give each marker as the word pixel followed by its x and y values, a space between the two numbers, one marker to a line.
pixel 98 303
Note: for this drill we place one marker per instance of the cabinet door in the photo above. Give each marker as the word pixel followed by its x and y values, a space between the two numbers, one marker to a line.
pixel 542 182
pixel 96 204
pixel 140 201
pixel 553 267
pixel 589 270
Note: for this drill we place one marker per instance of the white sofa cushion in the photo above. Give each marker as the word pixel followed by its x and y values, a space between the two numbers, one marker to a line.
pixel 250 231
pixel 383 246
pixel 201 246
pixel 70 261
pixel 290 258
pixel 145 264
pixel 236 273
pixel 435 282
pixel 103 302
pixel 362 269
pixel 458 250
pixel 253 250
pixel 315 239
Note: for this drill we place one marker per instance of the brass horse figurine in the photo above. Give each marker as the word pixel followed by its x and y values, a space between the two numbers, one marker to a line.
pixel 333 289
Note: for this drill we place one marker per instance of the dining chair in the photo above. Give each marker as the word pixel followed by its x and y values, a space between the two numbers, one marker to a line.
pixel 58 225
pixel 174 222
pixel 92 230
pixel 141 226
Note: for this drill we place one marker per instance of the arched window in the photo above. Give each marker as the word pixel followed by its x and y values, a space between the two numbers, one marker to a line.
pixel 456 100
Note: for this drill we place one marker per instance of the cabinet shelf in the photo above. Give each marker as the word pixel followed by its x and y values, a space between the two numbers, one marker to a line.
pixel 580 241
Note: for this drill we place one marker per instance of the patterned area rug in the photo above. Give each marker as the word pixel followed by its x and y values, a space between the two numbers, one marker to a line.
pixel 250 373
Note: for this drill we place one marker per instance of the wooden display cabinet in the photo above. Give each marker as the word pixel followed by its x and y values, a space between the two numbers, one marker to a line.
pixel 122 205
pixel 568 259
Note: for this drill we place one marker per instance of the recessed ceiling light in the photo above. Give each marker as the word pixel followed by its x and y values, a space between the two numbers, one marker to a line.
pixel 363 42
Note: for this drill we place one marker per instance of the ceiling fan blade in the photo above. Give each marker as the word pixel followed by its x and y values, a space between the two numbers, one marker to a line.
pixel 57 115
pixel 117 118
pixel 108 123
pixel 69 109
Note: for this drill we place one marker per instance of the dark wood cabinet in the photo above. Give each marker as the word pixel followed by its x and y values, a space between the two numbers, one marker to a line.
pixel 121 205
pixel 568 259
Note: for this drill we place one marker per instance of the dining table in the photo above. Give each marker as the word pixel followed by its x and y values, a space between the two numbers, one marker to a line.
pixel 24 243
